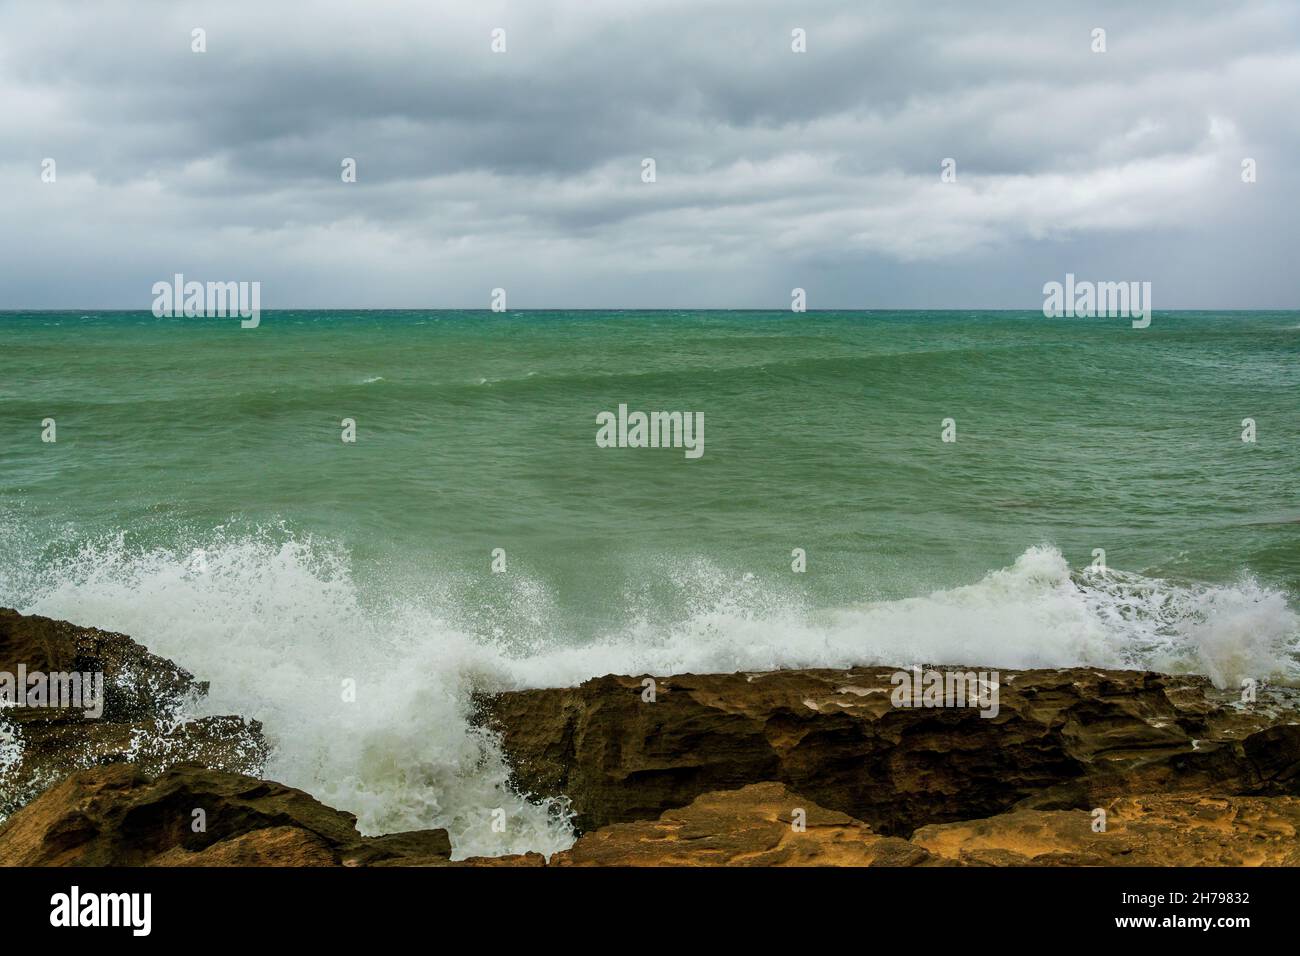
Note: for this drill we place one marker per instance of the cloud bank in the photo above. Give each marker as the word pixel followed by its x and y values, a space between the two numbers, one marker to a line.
pixel 523 169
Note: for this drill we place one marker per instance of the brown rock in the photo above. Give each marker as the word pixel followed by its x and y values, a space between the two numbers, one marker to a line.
pixel 521 859
pixel 1144 830
pixel 751 826
pixel 834 736
pixel 1266 762
pixel 274 846
pixel 710 773
pixel 137 684
pixel 144 697
pixel 119 816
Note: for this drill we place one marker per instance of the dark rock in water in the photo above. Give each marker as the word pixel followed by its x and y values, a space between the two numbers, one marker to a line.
pixel 137 685
pixel 193 816
pixel 835 737
pixel 1264 763
pixel 143 699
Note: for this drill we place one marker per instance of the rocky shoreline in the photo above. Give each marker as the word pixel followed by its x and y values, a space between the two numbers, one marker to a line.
pixel 1080 766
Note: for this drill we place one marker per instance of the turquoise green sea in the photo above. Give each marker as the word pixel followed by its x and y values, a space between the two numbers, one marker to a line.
pixel 198 495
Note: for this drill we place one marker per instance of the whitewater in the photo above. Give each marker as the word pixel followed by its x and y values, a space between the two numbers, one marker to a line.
pixel 279 625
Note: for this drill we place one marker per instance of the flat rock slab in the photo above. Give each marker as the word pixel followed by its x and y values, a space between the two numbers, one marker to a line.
pixel 762 824
pixel 1142 830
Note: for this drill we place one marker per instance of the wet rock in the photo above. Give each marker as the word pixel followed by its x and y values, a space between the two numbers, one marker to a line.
pixel 137 685
pixel 193 816
pixel 521 859
pixel 1265 763
pixel 835 737
pixel 144 698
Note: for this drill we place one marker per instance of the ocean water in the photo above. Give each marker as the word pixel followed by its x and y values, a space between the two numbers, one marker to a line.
pixel 199 497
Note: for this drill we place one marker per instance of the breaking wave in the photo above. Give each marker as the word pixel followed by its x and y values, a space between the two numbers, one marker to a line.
pixel 278 624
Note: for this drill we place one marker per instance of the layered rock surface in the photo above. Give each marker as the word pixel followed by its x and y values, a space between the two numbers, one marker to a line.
pixel 755 826
pixel 763 824
pixel 1157 829
pixel 1067 737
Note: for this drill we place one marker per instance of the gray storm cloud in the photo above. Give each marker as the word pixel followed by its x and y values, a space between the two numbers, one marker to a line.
pixel 522 169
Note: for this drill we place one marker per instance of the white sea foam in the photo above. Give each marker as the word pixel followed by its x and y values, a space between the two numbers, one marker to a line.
pixel 276 626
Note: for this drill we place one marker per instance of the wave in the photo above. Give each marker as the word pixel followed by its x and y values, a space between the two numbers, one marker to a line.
pixel 277 624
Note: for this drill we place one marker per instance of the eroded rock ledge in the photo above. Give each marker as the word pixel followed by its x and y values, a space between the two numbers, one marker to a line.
pixel 786 768
pixel 1061 739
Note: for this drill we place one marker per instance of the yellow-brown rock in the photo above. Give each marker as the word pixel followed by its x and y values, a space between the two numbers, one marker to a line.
pixel 1144 830
pixel 751 826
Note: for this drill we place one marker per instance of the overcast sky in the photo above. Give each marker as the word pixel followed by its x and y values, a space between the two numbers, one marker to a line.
pixel 775 169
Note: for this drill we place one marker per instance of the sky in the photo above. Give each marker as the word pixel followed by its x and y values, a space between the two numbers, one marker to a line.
pixel 774 169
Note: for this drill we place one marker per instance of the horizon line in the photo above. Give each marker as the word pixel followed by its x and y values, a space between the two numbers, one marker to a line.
pixel 551 308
